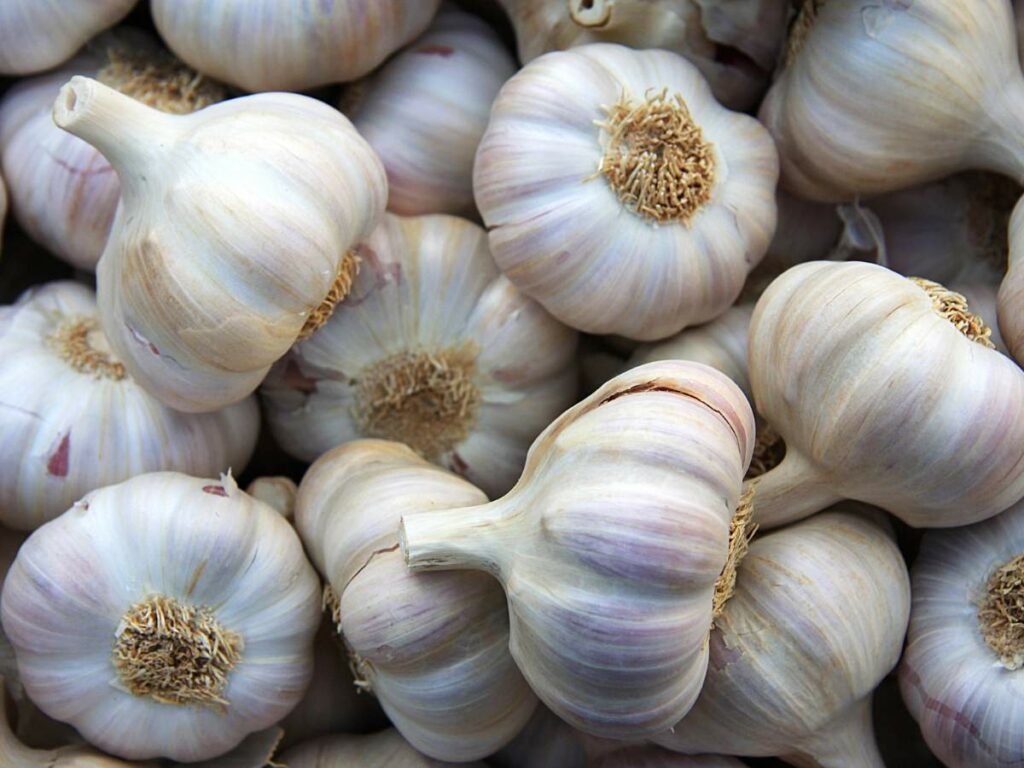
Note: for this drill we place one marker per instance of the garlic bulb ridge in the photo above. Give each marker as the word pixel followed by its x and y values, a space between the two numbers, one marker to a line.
pixel 1011 292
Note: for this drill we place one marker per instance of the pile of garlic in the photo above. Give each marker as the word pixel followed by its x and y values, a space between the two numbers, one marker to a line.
pixel 517 383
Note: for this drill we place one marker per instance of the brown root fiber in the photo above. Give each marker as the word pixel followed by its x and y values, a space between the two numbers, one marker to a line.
pixel 330 603
pixel 656 158
pixel 74 342
pixel 953 307
pixel 1001 614
pixel 347 271
pixel 741 531
pixel 800 28
pixel 175 653
pixel 159 80
pixel 769 451
pixel 427 400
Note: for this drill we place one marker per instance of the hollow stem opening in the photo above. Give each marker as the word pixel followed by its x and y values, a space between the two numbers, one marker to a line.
pixel 953 307
pixel 347 271
pixel 590 13
pixel 801 27
pixel 769 451
pixel 159 80
pixel 741 530
pixel 1001 614
pixel 80 343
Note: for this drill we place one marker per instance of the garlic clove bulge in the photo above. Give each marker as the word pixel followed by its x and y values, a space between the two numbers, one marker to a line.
pixel 385 749
pixel 164 564
pixel 1011 291
pixel 198 314
pixel 613 546
pixel 276 492
pixel 620 195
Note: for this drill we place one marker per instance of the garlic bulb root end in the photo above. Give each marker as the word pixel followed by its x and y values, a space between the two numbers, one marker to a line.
pixel 75 341
pixel 741 530
pixel 347 271
pixel 160 81
pixel 1001 614
pixel 953 307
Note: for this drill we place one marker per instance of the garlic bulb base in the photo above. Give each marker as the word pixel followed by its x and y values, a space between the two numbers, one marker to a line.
pixel 80 343
pixel 1001 614
pixel 953 307
pixel 791 491
pixel 347 271
pixel 158 80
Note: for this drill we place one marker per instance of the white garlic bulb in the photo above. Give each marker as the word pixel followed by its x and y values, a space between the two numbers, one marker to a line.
pixel 274 45
pixel 275 188
pixel 40 34
pixel 433 348
pixel 63 191
pixel 385 749
pixel 676 192
pixel 961 675
pixel 882 96
pixel 179 605
pixel 73 419
pixel 1011 292
pixel 816 621
pixel 425 110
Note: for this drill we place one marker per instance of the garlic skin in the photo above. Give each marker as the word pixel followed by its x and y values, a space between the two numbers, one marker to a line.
pixel 40 34
pixel 880 97
pixel 276 492
pixel 961 690
pixel 425 111
pixel 1011 291
pixel 665 248
pixel 816 621
pixel 198 314
pixel 73 420
pixel 694 28
pixel 274 45
pixel 881 398
pixel 385 749
pixel 983 297
pixel 433 348
pixel 433 648
pixel 611 545
pixel 63 191
pixel 80 605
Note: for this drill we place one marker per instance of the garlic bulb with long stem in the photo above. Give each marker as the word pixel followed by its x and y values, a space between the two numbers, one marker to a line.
pixel 63 191
pixel 425 110
pixel 1011 291
pixel 677 192
pixel 276 45
pixel 879 97
pixel 232 237
pixel 961 675
pixel 433 648
pixel 385 749
pixel 72 419
pixel 816 621
pixel 179 605
pixel 433 348
pixel 615 547
pixel 885 389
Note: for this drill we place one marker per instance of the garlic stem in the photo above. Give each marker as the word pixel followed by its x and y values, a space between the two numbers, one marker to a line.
pixel 847 742
pixel 791 491
pixel 456 538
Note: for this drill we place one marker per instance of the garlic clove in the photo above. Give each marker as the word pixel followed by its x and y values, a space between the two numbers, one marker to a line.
pixel 1011 292
pixel 277 492
pixel 385 749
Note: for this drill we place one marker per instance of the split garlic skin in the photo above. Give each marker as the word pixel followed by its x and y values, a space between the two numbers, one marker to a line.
pixel 281 45
pixel 961 674
pixel 73 419
pixel 816 621
pixel 887 391
pixel 612 545
pixel 578 180
pixel 425 110
pixel 433 348
pixel 384 749
pixel 1011 292
pixel 433 648
pixel 164 560
pixel 40 34
pixel 233 230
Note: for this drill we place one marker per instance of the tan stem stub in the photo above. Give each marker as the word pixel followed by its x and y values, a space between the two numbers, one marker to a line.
pixel 80 343
pixel 800 28
pixel 591 13
pixel 656 158
pixel 1001 614
pixel 741 531
pixel 769 451
pixel 159 80
pixel 953 307
pixel 347 271
pixel 427 400
pixel 175 653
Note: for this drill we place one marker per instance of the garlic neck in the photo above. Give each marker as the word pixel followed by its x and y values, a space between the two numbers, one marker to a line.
pixel 477 538
pixel 592 14
pixel 1001 613
pixel 791 491
pixel 846 742
pixel 80 343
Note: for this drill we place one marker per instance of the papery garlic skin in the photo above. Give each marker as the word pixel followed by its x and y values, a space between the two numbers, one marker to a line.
pixel 428 302
pixel 274 189
pixel 882 399
pixel 816 621
pixel 198 544
pixel 433 648
pixel 385 749
pixel 1011 291
pixel 276 45
pixel 425 110
pixel 73 420
pixel 558 228
pixel 40 34
pixel 611 545
pixel 883 96
pixel 966 701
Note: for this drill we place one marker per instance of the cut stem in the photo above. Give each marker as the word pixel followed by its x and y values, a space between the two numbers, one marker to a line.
pixel 791 491
pixel 475 538
pixel 1001 614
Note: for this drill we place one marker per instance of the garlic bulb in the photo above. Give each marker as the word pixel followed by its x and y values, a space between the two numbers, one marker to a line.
pixel 113 608
pixel 879 97
pixel 40 34
pixel 73 419
pixel 1011 292
pixel 749 33
pixel 677 193
pixel 274 45
pixel 425 110
pixel 433 648
pixel 275 188
pixel 385 749
pixel 886 390
pixel 961 674
pixel 433 348
pixel 613 546
pixel 278 493
pixel 816 622
pixel 63 191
